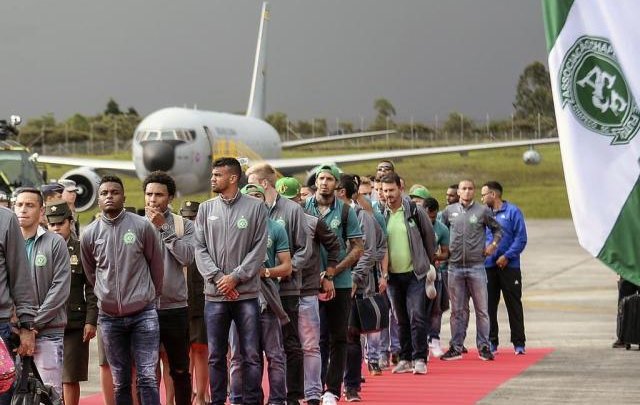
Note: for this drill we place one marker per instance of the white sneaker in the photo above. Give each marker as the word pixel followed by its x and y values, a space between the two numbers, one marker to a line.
pixel 329 399
pixel 403 366
pixel 420 367
pixel 430 287
pixel 436 349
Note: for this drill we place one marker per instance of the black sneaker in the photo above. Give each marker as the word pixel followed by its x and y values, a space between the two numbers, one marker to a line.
pixel 464 350
pixel 352 395
pixel 485 354
pixel 618 344
pixel 451 354
pixel 313 402
pixel 374 369
pixel 395 358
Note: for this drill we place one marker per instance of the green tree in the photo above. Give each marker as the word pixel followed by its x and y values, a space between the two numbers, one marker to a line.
pixel 112 108
pixel 456 122
pixel 278 120
pixel 533 93
pixel 385 113
pixel 132 111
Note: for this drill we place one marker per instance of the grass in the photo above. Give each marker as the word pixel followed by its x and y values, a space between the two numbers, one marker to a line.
pixel 538 190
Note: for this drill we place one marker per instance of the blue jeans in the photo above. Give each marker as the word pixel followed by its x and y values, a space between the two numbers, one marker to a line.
pixel 409 300
pixel 373 346
pixel 271 342
pixel 389 340
pixel 309 329
pixel 465 282
pixel 137 335
pixel 246 315
pixel 48 359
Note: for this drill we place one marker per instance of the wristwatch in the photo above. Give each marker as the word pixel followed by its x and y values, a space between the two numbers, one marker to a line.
pixel 328 277
pixel 27 325
pixel 385 276
pixel 267 273
pixel 494 244
pixel 165 227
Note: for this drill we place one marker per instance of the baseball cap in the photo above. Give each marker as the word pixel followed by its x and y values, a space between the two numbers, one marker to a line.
pixel 288 187
pixel 69 185
pixel 331 169
pixel 189 208
pixel 420 192
pixel 51 188
pixel 252 188
pixel 57 211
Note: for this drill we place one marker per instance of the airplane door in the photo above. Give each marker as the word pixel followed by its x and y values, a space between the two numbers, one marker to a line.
pixel 207 131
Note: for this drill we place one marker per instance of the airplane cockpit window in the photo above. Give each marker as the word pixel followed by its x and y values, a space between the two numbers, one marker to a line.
pixel 185 135
pixel 193 134
pixel 19 170
pixel 168 135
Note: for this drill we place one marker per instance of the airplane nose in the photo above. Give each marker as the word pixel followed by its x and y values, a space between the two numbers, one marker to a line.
pixel 158 156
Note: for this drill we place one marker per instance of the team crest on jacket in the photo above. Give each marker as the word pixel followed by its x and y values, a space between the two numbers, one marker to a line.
pixel 242 223
pixel 41 260
pixel 269 242
pixel 335 223
pixel 473 219
pixel 129 237
pixel 592 83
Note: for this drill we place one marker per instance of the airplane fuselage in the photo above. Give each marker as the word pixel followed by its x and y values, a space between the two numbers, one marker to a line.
pixel 183 142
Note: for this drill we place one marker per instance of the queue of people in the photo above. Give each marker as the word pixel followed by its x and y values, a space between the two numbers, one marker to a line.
pixel 266 271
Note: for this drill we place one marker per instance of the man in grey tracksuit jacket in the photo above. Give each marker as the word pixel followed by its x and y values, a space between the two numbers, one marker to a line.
pixel 467 221
pixel 231 239
pixel 123 260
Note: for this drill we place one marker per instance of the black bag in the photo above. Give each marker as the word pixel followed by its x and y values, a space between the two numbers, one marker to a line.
pixel 373 312
pixel 629 320
pixel 30 390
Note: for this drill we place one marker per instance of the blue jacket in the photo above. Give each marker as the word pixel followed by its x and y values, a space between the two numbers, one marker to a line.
pixel 514 235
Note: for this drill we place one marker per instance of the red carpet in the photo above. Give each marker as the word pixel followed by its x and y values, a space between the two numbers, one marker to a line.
pixel 463 381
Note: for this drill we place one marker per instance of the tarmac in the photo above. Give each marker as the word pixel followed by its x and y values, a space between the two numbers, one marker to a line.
pixel 570 304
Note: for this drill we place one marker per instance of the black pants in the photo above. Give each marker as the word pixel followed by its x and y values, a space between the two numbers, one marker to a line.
pixel 174 336
pixel 293 349
pixel 625 289
pixel 509 282
pixel 334 318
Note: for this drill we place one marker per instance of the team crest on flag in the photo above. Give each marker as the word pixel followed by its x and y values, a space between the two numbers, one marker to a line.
pixel 593 85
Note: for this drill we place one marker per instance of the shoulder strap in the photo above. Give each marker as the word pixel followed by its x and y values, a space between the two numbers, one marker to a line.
pixel 178 223
pixel 345 221
pixel 416 218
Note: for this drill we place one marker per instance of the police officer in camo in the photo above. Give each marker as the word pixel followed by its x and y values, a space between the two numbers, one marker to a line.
pixel 82 306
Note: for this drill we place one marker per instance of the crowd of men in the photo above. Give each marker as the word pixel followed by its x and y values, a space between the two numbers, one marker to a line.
pixel 269 270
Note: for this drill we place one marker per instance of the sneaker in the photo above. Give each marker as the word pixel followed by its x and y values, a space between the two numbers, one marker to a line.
pixel 394 358
pixel 464 350
pixel 436 349
pixel 383 364
pixel 485 354
pixel 494 348
pixel 403 367
pixel 352 395
pixel 618 344
pixel 430 287
pixel 374 369
pixel 420 367
pixel 451 354
pixel 519 350
pixel 329 399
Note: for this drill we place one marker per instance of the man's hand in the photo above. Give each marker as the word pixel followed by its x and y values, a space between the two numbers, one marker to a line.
pixel 155 216
pixel 226 285
pixel 89 332
pixel 354 288
pixel 27 342
pixel 382 285
pixel 502 262
pixel 490 249
pixel 233 295
pixel 327 286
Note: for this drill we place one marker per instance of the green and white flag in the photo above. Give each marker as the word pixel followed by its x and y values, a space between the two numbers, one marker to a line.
pixel 594 62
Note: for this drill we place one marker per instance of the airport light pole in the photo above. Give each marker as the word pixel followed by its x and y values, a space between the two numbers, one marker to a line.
pixel 461 129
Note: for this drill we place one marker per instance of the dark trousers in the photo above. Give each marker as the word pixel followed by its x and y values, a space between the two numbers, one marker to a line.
pixel 509 282
pixel 625 289
pixel 293 349
pixel 334 317
pixel 409 304
pixel 353 368
pixel 174 335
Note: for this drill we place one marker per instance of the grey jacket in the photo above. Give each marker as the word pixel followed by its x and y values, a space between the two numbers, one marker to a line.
pixel 51 271
pixel 231 238
pixel 291 215
pixel 422 247
pixel 123 260
pixel 374 241
pixel 318 236
pixel 467 232
pixel 15 280
pixel 176 254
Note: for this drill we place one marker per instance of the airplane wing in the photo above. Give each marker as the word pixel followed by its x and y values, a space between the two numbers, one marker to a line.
pixel 334 138
pixel 125 166
pixel 292 165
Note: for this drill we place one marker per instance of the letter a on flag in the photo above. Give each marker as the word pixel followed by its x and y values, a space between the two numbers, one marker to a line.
pixel 594 62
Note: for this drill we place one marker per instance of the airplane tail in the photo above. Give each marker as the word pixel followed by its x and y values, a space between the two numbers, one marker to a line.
pixel 257 97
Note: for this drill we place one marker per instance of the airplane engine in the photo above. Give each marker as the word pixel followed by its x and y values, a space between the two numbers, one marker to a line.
pixel 531 157
pixel 87 181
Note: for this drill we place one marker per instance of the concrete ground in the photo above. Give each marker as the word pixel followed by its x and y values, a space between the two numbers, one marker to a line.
pixel 570 302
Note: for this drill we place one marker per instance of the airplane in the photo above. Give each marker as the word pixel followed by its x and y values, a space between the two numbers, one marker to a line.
pixel 183 142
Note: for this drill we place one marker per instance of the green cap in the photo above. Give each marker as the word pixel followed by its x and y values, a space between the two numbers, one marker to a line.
pixel 189 208
pixel 57 211
pixel 331 169
pixel 420 192
pixel 252 188
pixel 288 187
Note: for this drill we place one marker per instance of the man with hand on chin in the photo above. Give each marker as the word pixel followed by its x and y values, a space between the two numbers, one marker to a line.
pixel 230 248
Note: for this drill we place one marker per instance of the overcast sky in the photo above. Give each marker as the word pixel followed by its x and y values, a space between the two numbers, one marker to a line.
pixel 326 58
